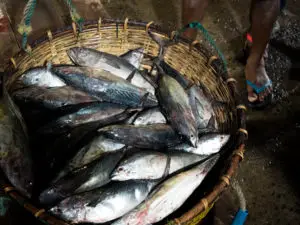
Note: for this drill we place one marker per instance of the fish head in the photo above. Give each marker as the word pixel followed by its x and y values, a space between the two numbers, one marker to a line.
pixel 120 173
pixel 193 140
pixel 223 138
pixel 31 77
pixel 50 196
pixel 80 56
pixel 138 120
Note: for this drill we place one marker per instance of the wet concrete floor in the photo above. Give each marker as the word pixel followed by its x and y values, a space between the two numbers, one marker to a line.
pixel 269 173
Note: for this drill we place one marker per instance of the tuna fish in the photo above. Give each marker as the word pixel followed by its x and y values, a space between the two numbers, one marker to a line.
pixel 105 86
pixel 103 204
pixel 207 144
pixel 91 176
pixel 154 136
pixel 118 66
pixel 15 156
pixel 95 149
pixel 165 199
pixel 39 76
pixel 149 165
pixel 175 105
pixel 99 113
pixel 52 98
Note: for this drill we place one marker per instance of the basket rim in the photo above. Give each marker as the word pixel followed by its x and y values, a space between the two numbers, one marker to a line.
pixel 242 134
pixel 105 22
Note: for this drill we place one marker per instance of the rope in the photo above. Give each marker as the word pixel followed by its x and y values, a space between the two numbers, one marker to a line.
pixel 235 185
pixel 242 213
pixel 198 26
pixel 74 14
pixel 24 27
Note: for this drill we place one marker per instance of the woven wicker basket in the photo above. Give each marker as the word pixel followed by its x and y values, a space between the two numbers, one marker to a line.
pixel 190 58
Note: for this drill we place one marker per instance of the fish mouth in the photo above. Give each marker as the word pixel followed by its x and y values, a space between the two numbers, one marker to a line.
pixel 193 141
pixel 114 176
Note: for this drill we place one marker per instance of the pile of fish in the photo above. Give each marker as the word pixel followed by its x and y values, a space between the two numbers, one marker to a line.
pixel 109 142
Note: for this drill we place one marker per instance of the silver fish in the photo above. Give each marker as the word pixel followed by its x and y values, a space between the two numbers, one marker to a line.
pixel 95 149
pixel 15 155
pixel 103 204
pixel 99 113
pixel 91 176
pixel 165 199
pixel 175 105
pixel 147 165
pixel 207 144
pixel 154 136
pixel 52 98
pixel 105 86
pixel 150 165
pixel 111 63
pixel 150 116
pixel 41 77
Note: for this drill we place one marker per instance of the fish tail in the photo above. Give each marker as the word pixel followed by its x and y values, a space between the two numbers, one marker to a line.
pixel 163 43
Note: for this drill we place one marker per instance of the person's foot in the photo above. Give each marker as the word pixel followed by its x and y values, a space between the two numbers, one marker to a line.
pixel 259 85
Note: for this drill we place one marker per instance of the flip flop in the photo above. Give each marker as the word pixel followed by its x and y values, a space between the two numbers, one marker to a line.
pixel 257 90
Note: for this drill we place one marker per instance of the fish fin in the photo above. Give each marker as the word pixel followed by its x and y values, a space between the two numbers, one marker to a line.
pixel 129 57
pixel 198 103
pixel 113 64
pixel 144 99
pixel 131 75
pixel 211 125
pixel 93 203
pixel 129 109
pixel 163 44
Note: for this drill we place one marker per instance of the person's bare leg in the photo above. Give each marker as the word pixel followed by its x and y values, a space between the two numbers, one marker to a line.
pixel 262 17
pixel 192 10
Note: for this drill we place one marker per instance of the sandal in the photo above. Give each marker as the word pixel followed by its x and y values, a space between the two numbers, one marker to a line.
pixel 257 104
